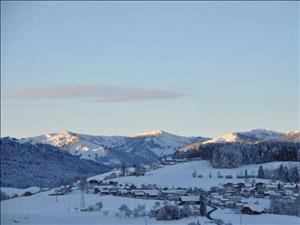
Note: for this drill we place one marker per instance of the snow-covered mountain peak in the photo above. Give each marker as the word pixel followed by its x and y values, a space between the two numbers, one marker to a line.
pixel 247 136
pixel 295 132
pixel 293 136
pixel 264 133
pixel 61 139
pixel 65 133
pixel 231 137
pixel 152 133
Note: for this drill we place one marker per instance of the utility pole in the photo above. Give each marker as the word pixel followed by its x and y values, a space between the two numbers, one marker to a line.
pixel 82 189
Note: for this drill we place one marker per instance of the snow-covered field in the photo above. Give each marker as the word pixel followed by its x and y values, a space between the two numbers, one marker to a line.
pixel 44 209
pixel 180 175
pixel 264 219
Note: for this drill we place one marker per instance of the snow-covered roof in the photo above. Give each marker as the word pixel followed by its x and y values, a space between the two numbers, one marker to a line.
pixel 190 198
pixel 140 193
pixel 174 191
pixel 255 207
pixel 151 192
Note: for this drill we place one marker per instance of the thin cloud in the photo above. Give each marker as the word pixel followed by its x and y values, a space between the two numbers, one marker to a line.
pixel 95 93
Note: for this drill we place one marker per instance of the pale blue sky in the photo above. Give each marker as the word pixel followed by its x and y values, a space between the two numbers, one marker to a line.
pixel 191 68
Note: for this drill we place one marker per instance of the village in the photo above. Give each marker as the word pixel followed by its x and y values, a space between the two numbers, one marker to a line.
pixel 247 197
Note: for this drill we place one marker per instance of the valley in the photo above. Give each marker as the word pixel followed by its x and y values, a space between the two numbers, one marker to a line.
pixel 151 178
pixel 167 177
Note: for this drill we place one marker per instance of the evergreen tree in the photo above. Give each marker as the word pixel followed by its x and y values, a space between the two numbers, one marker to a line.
pixel 138 170
pixel 286 177
pixel 281 172
pixel 125 210
pixel 194 174
pixel 203 209
pixel 295 175
pixel 187 211
pixel 261 173
pixel 99 205
pixel 123 169
pixel 253 182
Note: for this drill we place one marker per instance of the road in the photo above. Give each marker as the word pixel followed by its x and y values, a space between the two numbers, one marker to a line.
pixel 210 212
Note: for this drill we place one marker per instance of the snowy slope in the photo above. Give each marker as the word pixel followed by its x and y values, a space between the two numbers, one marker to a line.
pixel 180 175
pixel 43 209
pixel 143 148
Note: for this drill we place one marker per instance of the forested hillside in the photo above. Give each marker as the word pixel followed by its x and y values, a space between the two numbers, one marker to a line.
pixel 230 155
pixel 24 165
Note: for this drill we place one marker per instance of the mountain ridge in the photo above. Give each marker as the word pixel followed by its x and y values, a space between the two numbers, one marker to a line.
pixel 254 135
pixel 147 147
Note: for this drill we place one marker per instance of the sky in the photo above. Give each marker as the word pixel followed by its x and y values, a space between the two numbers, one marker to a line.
pixel 120 68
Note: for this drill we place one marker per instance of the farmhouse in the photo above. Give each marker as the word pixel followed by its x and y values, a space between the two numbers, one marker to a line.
pixel 93 183
pixel 139 194
pixel 188 200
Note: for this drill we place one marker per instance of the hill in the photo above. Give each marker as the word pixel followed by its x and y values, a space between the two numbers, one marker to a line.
pixel 230 155
pixel 24 165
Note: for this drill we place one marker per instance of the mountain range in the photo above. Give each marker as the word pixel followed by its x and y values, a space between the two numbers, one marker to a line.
pixel 116 150
pixel 52 159
pixel 147 147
